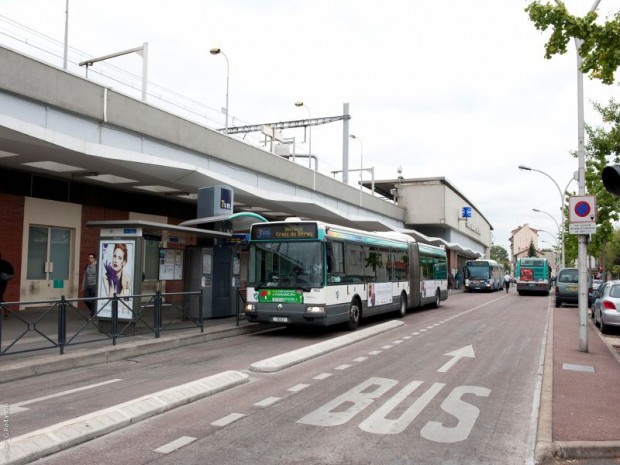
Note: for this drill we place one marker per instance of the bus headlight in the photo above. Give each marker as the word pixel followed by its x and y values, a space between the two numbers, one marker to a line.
pixel 250 308
pixel 315 309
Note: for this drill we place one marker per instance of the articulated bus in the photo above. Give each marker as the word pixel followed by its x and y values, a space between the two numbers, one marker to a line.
pixel 533 275
pixel 313 273
pixel 483 275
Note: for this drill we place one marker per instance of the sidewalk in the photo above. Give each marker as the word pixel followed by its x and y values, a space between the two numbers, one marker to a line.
pixel 579 414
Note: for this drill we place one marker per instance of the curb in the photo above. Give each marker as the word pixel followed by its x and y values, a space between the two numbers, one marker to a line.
pixel 288 359
pixel 37 444
pixel 53 363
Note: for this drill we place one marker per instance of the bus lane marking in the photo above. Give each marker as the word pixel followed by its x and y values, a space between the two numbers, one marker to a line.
pixel 228 419
pixel 345 407
pixel 267 402
pixel 467 351
pixel 298 387
pixel 19 406
pixel 176 444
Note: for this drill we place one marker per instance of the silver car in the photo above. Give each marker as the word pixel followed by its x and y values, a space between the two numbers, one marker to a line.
pixel 606 306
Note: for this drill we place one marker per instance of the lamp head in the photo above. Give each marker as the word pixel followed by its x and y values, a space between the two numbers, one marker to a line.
pixel 526 168
pixel 215 51
pixel 299 103
pixel 352 136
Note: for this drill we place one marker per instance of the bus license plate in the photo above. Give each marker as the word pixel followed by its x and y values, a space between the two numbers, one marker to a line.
pixel 279 319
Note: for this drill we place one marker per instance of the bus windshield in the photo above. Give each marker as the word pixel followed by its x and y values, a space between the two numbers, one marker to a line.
pixel 286 265
pixel 477 271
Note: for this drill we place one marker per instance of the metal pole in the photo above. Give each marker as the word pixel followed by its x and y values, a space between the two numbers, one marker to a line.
pixel 227 83
pixel 345 144
pixel 145 69
pixel 64 60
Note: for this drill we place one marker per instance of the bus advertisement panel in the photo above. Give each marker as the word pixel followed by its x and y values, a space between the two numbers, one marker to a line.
pixel 533 275
pixel 313 273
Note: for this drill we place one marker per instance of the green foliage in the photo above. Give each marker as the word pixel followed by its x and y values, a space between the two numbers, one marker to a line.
pixel 531 250
pixel 603 148
pixel 599 44
pixel 500 255
pixel 612 255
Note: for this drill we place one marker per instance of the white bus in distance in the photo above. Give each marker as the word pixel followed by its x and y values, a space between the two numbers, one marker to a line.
pixel 313 273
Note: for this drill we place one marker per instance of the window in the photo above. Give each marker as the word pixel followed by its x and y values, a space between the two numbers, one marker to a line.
pixel 49 253
pixel 151 259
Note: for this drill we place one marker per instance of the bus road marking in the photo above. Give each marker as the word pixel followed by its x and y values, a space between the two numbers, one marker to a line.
pixel 382 421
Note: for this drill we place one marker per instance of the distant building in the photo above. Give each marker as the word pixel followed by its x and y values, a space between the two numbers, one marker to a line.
pixel 520 240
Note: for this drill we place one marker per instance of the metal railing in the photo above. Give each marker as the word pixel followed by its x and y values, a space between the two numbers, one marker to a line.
pixel 61 323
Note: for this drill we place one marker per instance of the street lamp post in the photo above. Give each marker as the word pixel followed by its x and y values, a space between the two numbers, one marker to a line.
pixel 217 51
pixel 353 136
pixel 302 104
pixel 527 168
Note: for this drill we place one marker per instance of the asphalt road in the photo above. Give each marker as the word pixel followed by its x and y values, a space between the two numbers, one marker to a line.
pixel 454 385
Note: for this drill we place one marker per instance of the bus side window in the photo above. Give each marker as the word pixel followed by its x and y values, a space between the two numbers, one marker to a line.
pixel 335 261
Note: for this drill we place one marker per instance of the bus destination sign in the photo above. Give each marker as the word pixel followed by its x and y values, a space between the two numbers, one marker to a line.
pixel 284 231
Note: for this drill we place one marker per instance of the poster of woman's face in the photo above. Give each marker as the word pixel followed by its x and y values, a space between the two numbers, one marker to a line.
pixel 116 270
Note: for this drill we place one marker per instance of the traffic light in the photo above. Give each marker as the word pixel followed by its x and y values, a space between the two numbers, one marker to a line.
pixel 611 179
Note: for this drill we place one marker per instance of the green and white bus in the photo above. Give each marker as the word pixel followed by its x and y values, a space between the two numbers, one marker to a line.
pixel 533 275
pixel 313 273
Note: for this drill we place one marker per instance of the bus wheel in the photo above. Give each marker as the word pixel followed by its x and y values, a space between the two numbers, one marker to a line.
pixel 354 316
pixel 437 299
pixel 402 310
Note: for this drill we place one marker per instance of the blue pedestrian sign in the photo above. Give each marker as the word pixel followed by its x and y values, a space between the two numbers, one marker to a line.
pixel 466 212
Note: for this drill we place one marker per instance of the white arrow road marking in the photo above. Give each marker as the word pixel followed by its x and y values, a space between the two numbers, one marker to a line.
pixel 467 351
pixel 19 406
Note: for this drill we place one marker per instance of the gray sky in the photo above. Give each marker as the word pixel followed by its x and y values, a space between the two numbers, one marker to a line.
pixel 439 88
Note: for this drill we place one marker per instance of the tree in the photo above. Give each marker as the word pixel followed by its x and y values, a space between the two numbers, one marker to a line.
pixel 612 255
pixel 531 250
pixel 600 44
pixel 602 148
pixel 500 255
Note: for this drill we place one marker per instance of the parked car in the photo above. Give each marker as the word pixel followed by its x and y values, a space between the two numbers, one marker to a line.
pixel 606 306
pixel 592 294
pixel 567 286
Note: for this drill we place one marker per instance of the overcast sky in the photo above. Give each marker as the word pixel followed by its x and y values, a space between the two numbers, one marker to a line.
pixel 451 88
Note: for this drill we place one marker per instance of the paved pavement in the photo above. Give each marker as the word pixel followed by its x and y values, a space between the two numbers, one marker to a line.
pixel 579 412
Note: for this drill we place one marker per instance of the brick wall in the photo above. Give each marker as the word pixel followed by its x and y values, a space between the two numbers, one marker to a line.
pixel 11 230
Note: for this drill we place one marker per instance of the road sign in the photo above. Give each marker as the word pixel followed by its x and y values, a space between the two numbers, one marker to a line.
pixel 582 209
pixel 582 228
